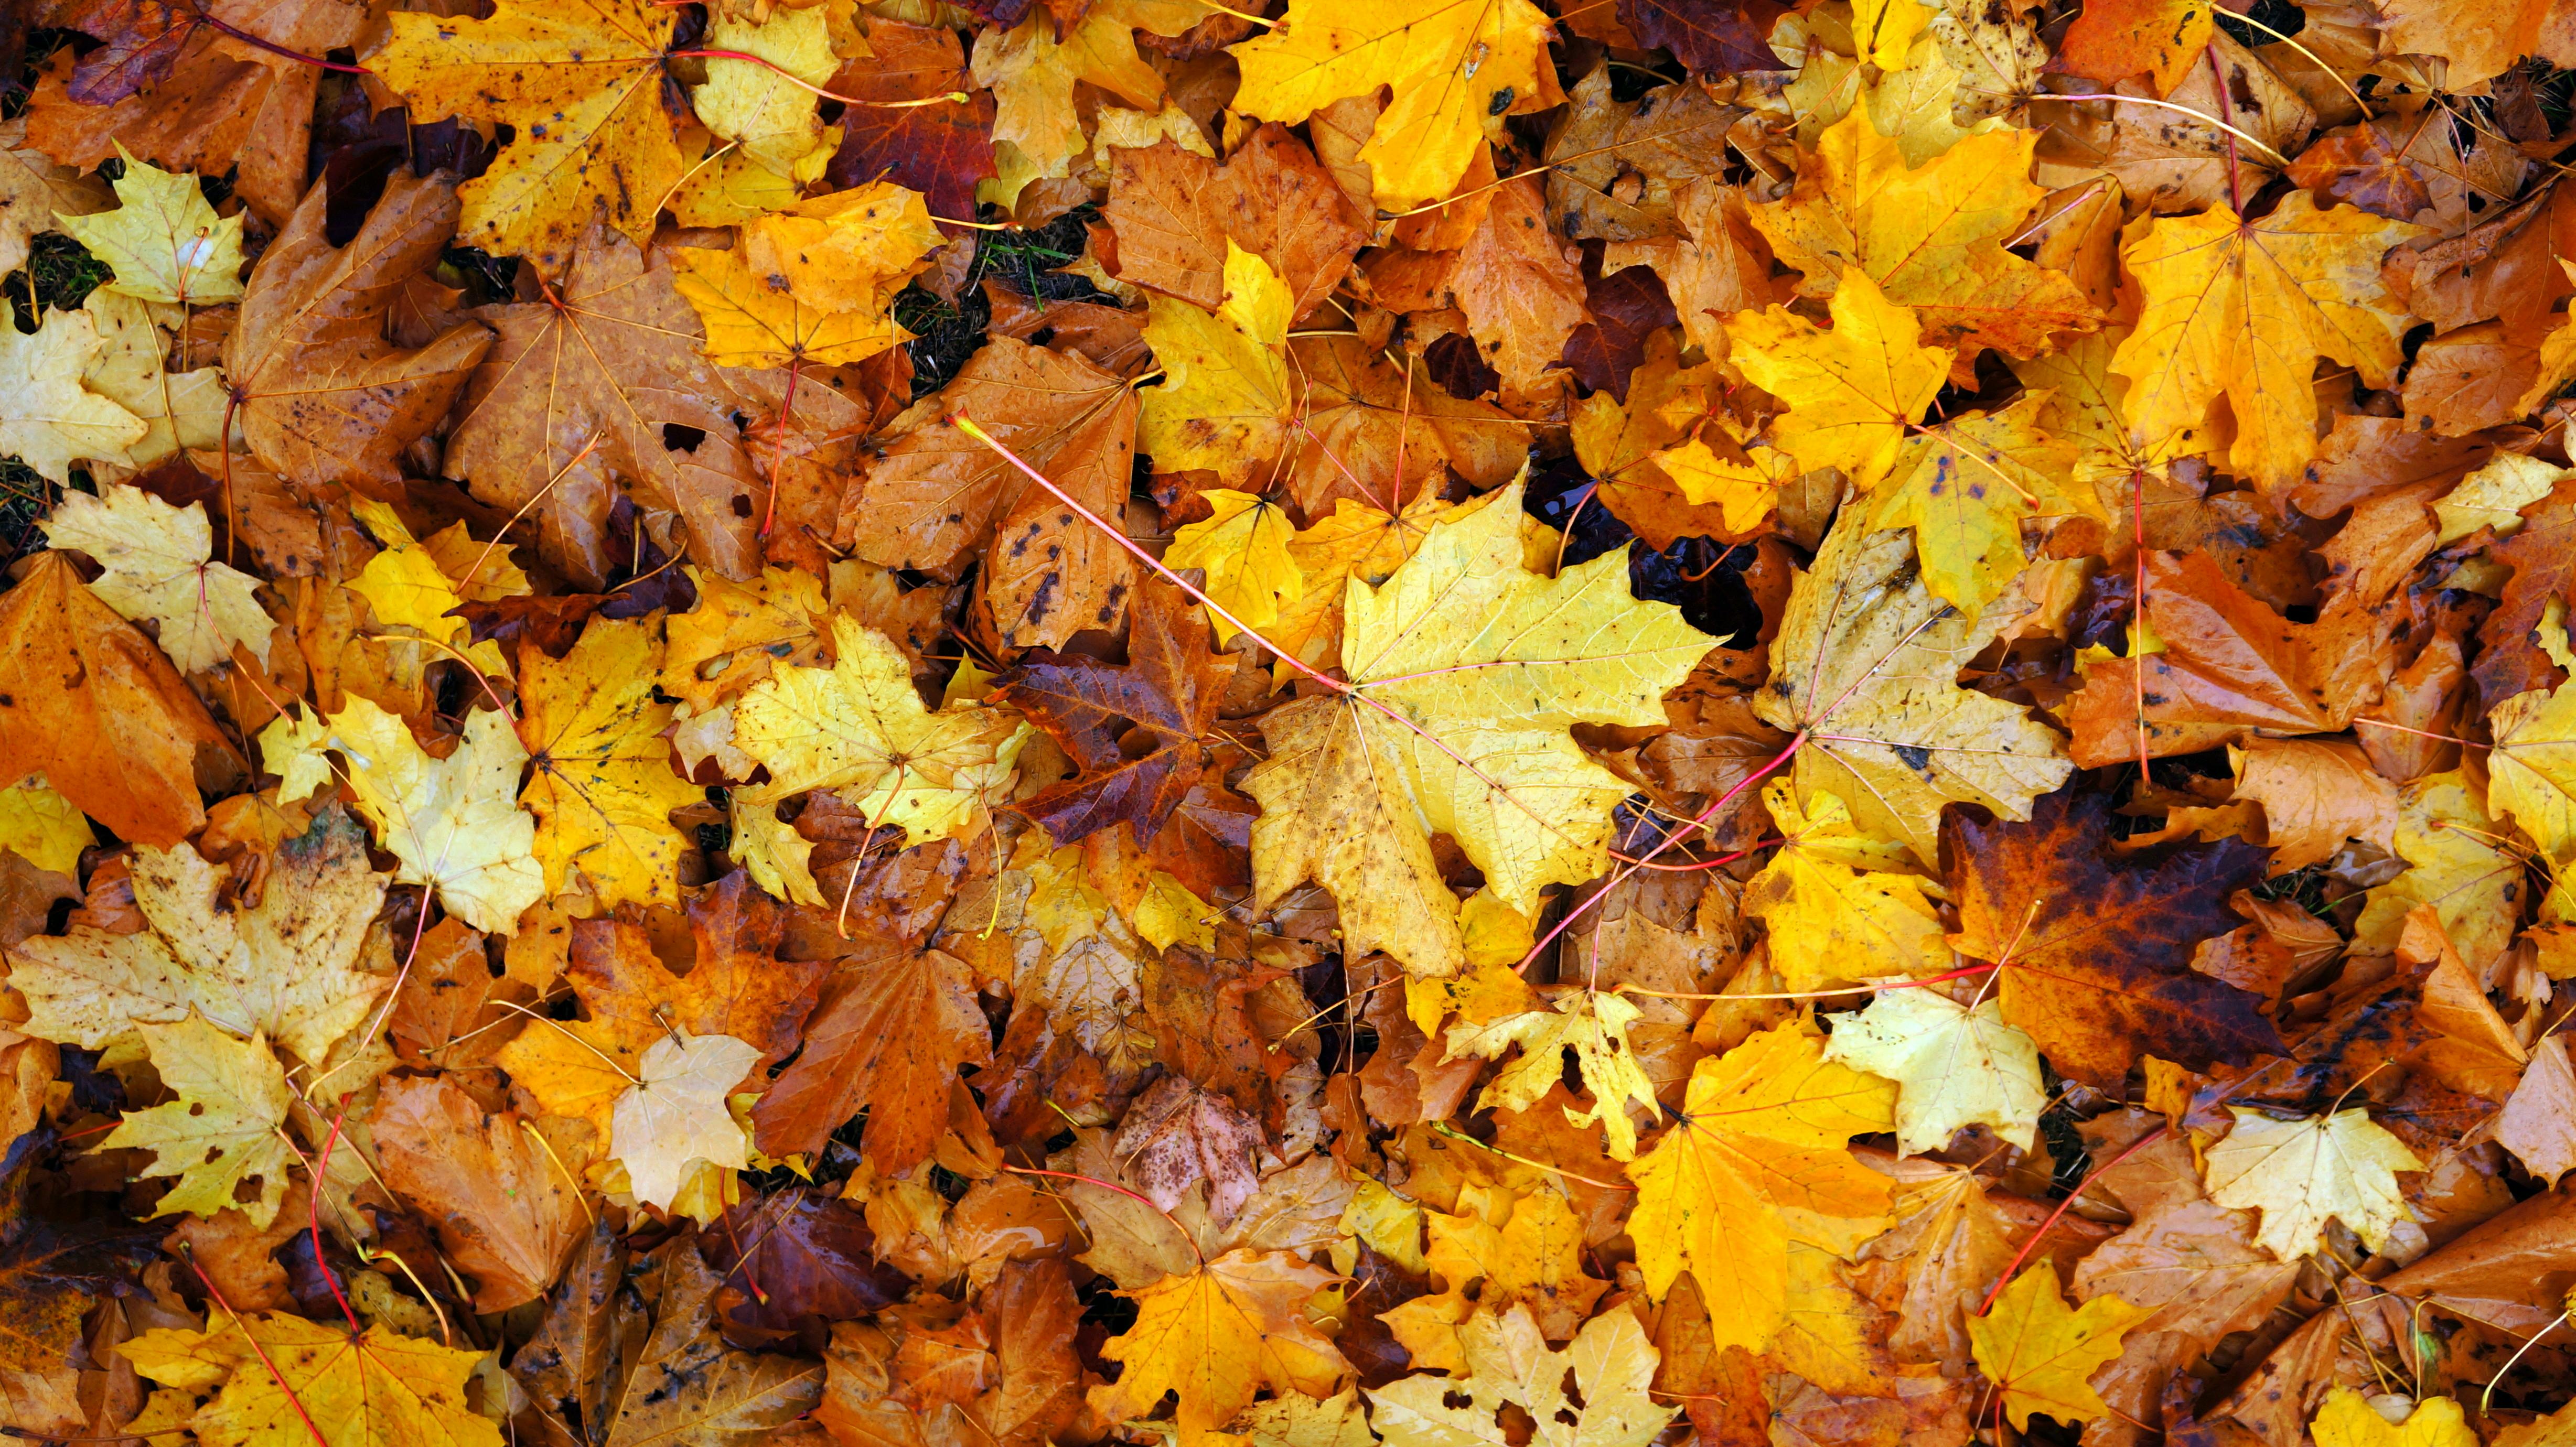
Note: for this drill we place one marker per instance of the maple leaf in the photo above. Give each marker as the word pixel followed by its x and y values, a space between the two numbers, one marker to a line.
pixel 1966 487
pixel 281 1374
pixel 1754 1164
pixel 1224 403
pixel 888 1037
pixel 155 562
pixel 2532 769
pixel 326 397
pixel 1170 689
pixel 2303 1173
pixel 223 1130
pixel 2038 1354
pixel 41 827
pixel 752 323
pixel 601 784
pixel 860 727
pixel 592 132
pixel 1526 1250
pixel 54 419
pixel 940 150
pixel 1711 37
pixel 2094 947
pixel 1953 1066
pixel 2243 309
pixel 1216 1336
pixel 575 394
pixel 450 821
pixel 177 409
pixel 290 967
pixel 1455 71
pixel 2121 38
pixel 1245 547
pixel 1931 236
pixel 1492 664
pixel 2349 1419
pixel 1866 666
pixel 89 702
pixel 1854 391
pixel 1521 297
pixel 674 1114
pixel 163 241
pixel 768 110
pixel 740 633
pixel 1595 1027
pixel 36 191
pixel 505 1211
pixel 937 493
pixel 1510 1365
pixel 1175 213
pixel 1836 904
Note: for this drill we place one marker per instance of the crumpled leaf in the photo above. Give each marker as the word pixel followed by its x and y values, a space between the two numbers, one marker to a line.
pixel 1595 1027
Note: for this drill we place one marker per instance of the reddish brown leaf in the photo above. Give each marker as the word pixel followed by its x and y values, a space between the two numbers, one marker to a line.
pixel 888 1039
pixel 2096 946
pixel 798 1259
pixel 1169 690
pixel 506 1213
pixel 940 150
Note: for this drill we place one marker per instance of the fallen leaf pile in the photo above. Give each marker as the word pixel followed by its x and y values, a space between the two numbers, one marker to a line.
pixel 1291 723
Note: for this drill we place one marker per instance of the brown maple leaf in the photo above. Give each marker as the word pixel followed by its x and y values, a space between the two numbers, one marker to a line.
pixel 2095 946
pixel 887 1039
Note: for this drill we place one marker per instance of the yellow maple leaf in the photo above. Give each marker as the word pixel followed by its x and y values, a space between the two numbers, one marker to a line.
pixel 292 967
pixel 155 562
pixel 288 1380
pixel 1853 392
pixel 1835 906
pixel 450 821
pixel 2302 1173
pixel 2038 1353
pixel 859 727
pixel 2349 1420
pixel 1455 69
pixel 1885 30
pixel 42 827
pixel 1490 665
pixel 177 409
pixel 2457 863
pixel 53 419
pixel 1524 1248
pixel 2532 769
pixel 1744 490
pixel 674 1115
pixel 762 108
pixel 222 1131
pixel 1954 1066
pixel 1244 546
pixel 1966 486
pixel 1224 402
pixel 2243 309
pixel 406 588
pixel 1756 1162
pixel 752 323
pixel 480 572
pixel 740 633
pixel 602 787
pixel 1355 540
pixel 1595 1027
pixel 1931 236
pixel 1867 662
pixel 163 241
pixel 1216 1336
pixel 1611 1362
pixel 1032 70
pixel 847 250
pixel 581 81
